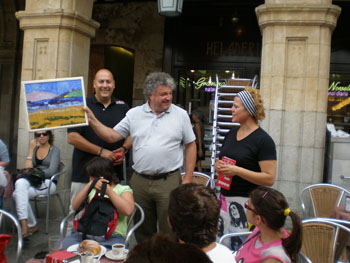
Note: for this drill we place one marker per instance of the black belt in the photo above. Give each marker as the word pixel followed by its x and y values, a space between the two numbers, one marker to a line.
pixel 157 176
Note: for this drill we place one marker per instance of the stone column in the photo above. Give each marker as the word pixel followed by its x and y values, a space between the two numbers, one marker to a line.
pixel 56 44
pixel 294 83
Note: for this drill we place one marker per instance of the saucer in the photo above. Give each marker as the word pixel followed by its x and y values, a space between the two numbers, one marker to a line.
pixel 109 254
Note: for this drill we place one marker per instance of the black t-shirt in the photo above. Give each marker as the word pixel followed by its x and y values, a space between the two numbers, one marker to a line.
pixel 110 117
pixel 248 152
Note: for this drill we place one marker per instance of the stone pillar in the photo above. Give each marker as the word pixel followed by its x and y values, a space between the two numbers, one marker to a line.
pixel 56 44
pixel 294 82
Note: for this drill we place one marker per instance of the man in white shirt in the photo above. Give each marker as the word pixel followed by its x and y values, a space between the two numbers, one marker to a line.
pixel 159 130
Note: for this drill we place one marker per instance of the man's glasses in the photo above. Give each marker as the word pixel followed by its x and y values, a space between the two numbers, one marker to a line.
pixel 37 135
pixel 246 206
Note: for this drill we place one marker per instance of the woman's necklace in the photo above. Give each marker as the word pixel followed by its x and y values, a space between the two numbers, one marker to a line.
pixel 42 152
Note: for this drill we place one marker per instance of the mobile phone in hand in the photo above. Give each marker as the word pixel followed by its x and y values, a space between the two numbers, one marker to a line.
pixel 347 204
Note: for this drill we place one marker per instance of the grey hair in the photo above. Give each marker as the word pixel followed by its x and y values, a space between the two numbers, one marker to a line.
pixel 155 79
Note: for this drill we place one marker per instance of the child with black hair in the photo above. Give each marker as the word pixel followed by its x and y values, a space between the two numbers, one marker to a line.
pixel 269 242
pixel 121 197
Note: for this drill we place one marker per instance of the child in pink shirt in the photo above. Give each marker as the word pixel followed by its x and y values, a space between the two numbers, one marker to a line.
pixel 267 209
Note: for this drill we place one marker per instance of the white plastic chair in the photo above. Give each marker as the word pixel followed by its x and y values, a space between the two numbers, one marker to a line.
pixel 45 198
pixel 132 226
pixel 19 231
pixel 199 178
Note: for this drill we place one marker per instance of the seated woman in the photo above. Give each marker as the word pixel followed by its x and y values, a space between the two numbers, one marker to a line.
pixel 4 161
pixel 121 197
pixel 44 155
pixel 269 242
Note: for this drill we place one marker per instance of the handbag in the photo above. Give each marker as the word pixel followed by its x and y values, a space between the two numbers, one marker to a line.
pixel 35 176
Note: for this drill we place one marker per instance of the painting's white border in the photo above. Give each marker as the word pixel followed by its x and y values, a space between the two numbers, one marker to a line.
pixel 85 123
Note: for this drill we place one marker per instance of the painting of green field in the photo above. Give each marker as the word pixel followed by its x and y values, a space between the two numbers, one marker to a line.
pixel 48 118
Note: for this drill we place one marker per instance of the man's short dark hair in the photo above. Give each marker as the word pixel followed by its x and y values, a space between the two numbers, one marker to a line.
pixel 194 213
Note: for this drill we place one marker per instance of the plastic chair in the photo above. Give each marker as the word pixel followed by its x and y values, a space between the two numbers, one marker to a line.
pixel 324 198
pixel 199 178
pixel 323 240
pixel 19 231
pixel 45 198
pixel 132 226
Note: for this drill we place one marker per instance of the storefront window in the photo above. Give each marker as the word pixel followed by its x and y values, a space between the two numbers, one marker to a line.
pixel 196 89
pixel 338 110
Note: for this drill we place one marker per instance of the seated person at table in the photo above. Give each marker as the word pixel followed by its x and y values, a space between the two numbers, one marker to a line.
pixel 120 195
pixel 193 216
pixel 4 161
pixel 160 249
pixel 268 209
pixel 44 155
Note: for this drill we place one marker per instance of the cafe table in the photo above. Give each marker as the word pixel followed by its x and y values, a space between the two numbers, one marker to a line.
pixel 102 260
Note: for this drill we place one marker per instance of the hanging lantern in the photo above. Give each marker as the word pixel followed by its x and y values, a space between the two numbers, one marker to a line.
pixel 170 7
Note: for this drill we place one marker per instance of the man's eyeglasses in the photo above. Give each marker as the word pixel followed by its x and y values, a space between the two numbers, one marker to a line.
pixel 37 135
pixel 246 206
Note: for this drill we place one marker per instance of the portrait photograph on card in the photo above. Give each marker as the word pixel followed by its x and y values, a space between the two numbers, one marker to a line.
pixel 55 103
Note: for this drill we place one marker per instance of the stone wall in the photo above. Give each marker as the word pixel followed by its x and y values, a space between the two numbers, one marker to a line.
pixel 136 26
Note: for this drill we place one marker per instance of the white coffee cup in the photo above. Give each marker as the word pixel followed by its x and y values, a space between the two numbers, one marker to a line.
pixel 87 257
pixel 118 249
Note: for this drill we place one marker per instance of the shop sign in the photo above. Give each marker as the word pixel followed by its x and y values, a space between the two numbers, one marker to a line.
pixel 335 90
pixel 202 83
pixel 221 48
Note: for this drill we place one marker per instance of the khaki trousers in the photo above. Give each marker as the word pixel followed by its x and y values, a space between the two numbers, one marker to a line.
pixel 153 197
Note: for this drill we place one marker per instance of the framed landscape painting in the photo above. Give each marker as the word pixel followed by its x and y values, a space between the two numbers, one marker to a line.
pixel 55 103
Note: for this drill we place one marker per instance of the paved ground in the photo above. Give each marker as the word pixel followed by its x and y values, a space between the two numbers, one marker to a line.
pixel 35 244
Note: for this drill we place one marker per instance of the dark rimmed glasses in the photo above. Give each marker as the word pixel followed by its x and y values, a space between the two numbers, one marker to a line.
pixel 246 206
pixel 37 135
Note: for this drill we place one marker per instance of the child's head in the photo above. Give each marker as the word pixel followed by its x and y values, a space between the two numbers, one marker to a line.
pixel 272 206
pixel 101 167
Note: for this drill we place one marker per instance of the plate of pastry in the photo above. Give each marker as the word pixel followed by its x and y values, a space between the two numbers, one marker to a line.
pixel 88 245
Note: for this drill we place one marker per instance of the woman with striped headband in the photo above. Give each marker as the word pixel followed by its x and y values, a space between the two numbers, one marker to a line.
pixel 268 209
pixel 254 154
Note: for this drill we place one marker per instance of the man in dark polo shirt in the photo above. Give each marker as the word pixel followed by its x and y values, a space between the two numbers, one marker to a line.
pixel 87 144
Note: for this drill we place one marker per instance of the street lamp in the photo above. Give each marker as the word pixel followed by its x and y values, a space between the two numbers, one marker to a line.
pixel 170 7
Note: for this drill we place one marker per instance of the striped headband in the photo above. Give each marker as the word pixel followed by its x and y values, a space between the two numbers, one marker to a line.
pixel 248 102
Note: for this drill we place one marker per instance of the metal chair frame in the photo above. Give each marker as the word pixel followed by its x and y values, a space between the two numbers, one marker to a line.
pixel 237 234
pixel 130 229
pixel 311 190
pixel 46 197
pixel 201 176
pixel 19 231
pixel 340 236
